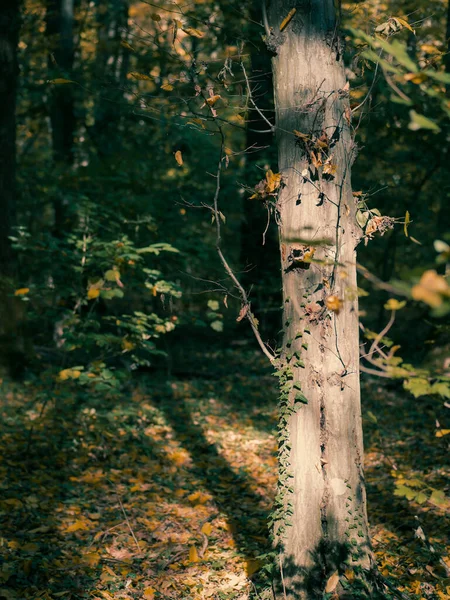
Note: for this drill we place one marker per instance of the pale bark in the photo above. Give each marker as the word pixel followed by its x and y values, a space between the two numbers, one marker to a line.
pixel 329 513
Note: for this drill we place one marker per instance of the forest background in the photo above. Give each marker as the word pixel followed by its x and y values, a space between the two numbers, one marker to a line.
pixel 138 458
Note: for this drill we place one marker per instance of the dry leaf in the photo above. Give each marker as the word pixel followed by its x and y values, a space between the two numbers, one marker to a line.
pixel 179 157
pixel 60 81
pixel 207 528
pixel 285 22
pixel 333 303
pixel 193 554
pixel 242 312
pixel 139 76
pixel 167 87
pixel 126 45
pixel 332 583
pixel 211 101
pixel 194 32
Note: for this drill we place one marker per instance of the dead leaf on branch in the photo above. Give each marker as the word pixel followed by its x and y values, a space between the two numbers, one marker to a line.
pixel 268 186
pixel 242 313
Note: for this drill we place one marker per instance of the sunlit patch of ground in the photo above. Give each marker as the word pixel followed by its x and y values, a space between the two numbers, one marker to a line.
pixel 165 492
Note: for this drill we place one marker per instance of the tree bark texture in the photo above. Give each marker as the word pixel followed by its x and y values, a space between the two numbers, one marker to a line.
pixel 318 236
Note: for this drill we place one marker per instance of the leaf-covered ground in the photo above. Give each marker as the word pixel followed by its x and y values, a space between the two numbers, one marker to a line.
pixel 164 492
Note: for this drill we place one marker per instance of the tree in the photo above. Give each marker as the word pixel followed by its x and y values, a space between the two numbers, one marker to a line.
pixel 320 443
pixel 59 31
pixel 9 31
pixel 11 343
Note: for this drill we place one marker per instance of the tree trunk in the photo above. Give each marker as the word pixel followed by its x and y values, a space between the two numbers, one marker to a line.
pixel 111 66
pixel 9 31
pixel 59 31
pixel 316 216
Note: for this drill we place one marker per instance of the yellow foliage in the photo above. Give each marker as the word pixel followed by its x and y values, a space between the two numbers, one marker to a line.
pixel 333 303
pixel 431 289
pixel 21 291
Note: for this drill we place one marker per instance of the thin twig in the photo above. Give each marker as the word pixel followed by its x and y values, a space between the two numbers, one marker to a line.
pixel 282 577
pixel 250 96
pixel 128 523
pixel 228 269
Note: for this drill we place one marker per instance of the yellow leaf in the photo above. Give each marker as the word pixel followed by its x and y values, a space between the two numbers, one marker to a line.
pixel 285 22
pixel 415 77
pixel 78 526
pixel 179 157
pixel 193 554
pixel 330 168
pixel 273 181
pixel 149 593
pixel 252 565
pixel 60 81
pixel 207 528
pixel 333 303
pixel 112 275
pixel 194 32
pixel 394 304
pixel 332 583
pixel 126 45
pixel 93 292
pixel 65 374
pixel 430 49
pixel 198 498
pixel 442 432
pixel 302 136
pixel 92 558
pixel 139 76
pixel 167 87
pixel 404 23
pixel 211 101
pixel 21 291
pixel 407 222
pixel 127 345
pixel 431 289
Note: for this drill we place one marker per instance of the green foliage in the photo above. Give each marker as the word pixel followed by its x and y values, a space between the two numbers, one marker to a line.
pixel 85 288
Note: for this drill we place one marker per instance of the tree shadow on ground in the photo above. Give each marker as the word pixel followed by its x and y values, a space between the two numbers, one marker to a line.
pixel 233 492
pixel 74 463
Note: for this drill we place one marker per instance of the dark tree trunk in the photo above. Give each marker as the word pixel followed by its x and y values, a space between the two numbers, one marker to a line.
pixel 259 237
pixel 59 30
pixel 9 32
pixel 110 73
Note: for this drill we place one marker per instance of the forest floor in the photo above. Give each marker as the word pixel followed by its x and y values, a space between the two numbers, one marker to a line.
pixel 165 491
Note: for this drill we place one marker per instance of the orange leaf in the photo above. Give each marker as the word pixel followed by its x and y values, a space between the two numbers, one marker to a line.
pixel 193 554
pixel 211 101
pixel 179 157
pixel 207 528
